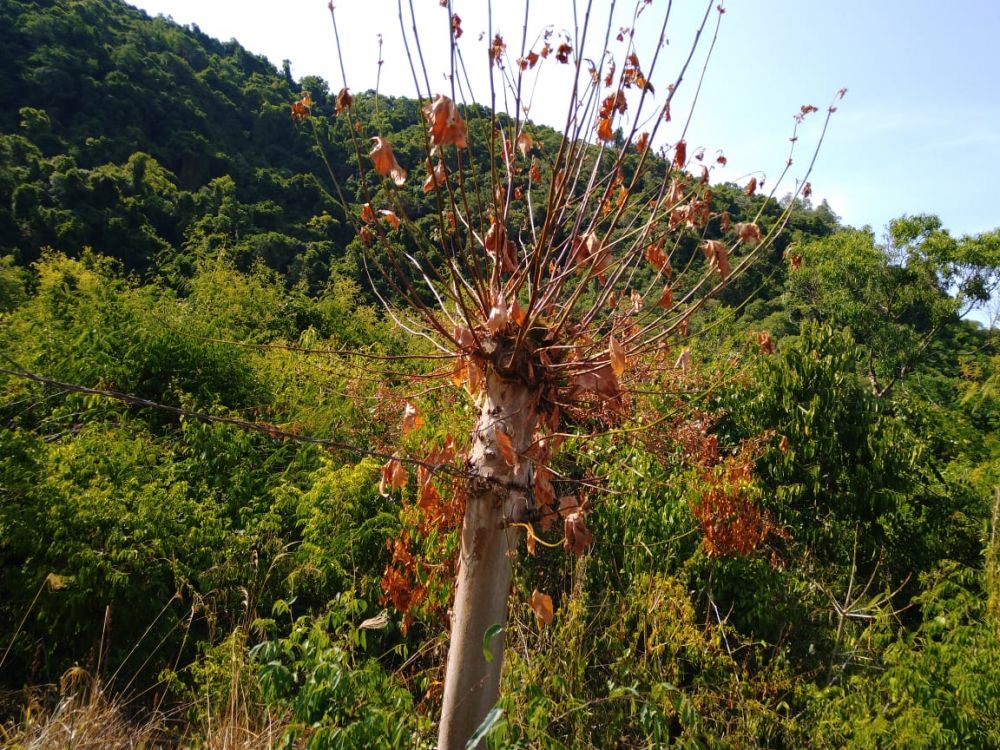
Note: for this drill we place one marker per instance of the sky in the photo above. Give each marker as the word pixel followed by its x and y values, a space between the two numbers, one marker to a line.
pixel 917 132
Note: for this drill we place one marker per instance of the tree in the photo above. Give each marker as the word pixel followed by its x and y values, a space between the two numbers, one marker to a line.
pixel 551 282
pixel 919 282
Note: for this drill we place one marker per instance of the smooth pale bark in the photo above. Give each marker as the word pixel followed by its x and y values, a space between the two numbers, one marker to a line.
pixel 472 684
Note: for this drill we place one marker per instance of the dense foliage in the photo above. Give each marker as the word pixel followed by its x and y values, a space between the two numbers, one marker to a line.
pixel 801 551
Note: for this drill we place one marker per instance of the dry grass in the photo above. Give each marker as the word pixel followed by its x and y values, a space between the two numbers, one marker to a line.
pixel 86 719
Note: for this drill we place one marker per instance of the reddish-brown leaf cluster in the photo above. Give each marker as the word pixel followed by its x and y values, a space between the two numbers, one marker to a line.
pixel 417 578
pixel 303 107
pixel 733 523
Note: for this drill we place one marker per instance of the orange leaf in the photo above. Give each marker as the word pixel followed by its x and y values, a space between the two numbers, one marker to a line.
pixel 436 176
pixel 604 131
pixel 385 161
pixel 393 476
pixel 666 300
pixel 390 216
pixel 617 355
pixel 445 124
pixel 643 143
pixel 680 155
pixel 367 214
pixel 517 313
pixel 751 187
pixel 343 101
pixel 541 604
pixel 412 420
pixel 524 144
pixel 506 446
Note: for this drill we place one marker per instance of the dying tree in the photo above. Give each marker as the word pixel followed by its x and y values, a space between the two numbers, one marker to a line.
pixel 556 279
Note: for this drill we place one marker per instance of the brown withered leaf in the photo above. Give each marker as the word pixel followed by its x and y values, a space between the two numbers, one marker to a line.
pixel 568 504
pixel 385 161
pixel 578 536
pixel 412 421
pixel 748 232
pixel 617 356
pixel 524 144
pixel 765 342
pixel 456 25
pixel 666 300
pixel 393 476
pixel 717 254
pixel 390 217
pixel 435 176
pixel 680 155
pixel 600 380
pixel 445 124
pixel 751 187
pixel 604 131
pixel 683 362
pixel 541 605
pixel 517 313
pixel 656 257
pixel 499 315
pixel 783 445
pixel 544 494
pixel 506 446
pixel 343 101
pixel 636 299
pixel 563 52
pixel 367 213
pixel 642 143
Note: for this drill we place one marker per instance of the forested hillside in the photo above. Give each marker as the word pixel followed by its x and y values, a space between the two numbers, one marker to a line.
pixel 794 539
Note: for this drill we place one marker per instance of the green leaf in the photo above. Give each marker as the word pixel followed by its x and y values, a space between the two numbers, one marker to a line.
pixel 491 719
pixel 488 636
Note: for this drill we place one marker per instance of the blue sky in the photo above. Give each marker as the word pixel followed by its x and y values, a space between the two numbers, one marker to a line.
pixel 918 132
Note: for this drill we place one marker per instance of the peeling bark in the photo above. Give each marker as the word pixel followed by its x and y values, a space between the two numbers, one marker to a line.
pixel 472 683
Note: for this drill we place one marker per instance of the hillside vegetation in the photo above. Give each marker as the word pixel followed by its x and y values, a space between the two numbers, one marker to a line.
pixel 802 553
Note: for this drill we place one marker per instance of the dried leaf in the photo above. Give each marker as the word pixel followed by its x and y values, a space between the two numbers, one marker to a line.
pixel 680 155
pixel 578 536
pixel 604 131
pixel 412 420
pixel 343 101
pixel 683 362
pixel 390 217
pixel 765 343
pixel 748 232
pixel 367 214
pixel 385 161
pixel 445 124
pixel 617 356
pixel 717 254
pixel 643 143
pixel 666 300
pixel 751 187
pixel 541 605
pixel 393 476
pixel 499 315
pixel 506 446
pixel 568 504
pixel 517 313
pixel 524 144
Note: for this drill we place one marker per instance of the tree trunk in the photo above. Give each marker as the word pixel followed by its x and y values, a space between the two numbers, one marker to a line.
pixel 472 684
